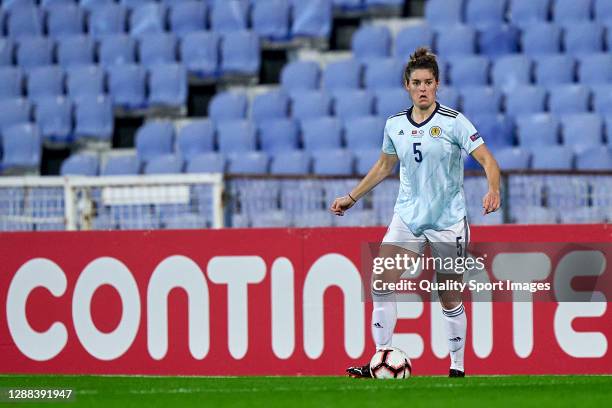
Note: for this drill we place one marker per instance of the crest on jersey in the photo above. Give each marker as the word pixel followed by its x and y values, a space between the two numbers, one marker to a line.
pixel 435 131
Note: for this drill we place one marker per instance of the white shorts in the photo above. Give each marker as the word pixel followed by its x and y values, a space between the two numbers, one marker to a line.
pixel 450 242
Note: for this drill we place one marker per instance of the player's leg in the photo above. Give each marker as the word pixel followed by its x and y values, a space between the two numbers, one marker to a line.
pixel 399 240
pixel 452 243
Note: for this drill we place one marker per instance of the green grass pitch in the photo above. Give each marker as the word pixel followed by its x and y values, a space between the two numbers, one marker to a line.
pixel 270 392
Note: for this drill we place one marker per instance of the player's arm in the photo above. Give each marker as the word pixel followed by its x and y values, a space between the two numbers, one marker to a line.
pixel 380 170
pixel 491 200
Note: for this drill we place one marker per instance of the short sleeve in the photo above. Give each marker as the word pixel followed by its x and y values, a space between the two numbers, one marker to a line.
pixel 387 145
pixel 466 134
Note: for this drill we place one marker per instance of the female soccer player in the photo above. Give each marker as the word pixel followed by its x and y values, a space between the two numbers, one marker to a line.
pixel 427 140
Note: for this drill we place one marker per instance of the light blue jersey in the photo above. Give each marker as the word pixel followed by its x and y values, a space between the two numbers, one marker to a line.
pixel 431 167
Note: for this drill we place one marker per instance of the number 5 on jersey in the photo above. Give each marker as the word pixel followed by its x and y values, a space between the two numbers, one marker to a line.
pixel 418 156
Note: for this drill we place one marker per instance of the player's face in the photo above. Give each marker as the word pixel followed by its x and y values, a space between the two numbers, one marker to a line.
pixel 422 87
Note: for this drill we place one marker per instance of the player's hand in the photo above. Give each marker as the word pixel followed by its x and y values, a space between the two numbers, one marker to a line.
pixel 491 202
pixel 341 204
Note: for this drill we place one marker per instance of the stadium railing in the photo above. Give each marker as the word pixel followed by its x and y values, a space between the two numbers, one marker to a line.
pixel 214 201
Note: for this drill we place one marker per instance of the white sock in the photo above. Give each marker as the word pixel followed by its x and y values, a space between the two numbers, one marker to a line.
pixel 455 323
pixel 384 317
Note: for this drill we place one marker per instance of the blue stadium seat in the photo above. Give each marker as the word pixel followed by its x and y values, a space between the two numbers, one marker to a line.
pixel 147 19
pixel 132 4
pixel 391 101
pixel 552 158
pixel 344 74
pixel 595 69
pixel 523 13
pixel 410 38
pixel 595 158
pixel 197 136
pixel 199 51
pixel 154 139
pixel 107 19
pixel 321 133
pixel 443 13
pixel 7 49
pixel 187 16
pixel 85 80
pixel 310 104
pixel 14 111
pixel 50 4
pixel 482 14
pixel 583 38
pixel 270 105
pixel 164 164
pixel 541 39
pixel 348 5
pixel 228 105
pixel 371 41
pixel 236 136
pixel 45 81
pixel 353 104
pixel 459 40
pixel 468 71
pixel 11 82
pixel 603 12
pixel 539 129
pixel 54 119
pixel 227 16
pixel 568 12
pixel 116 49
pixel 525 99
pixel 248 163
pixel 277 135
pixel 497 41
pixel 511 71
pixel 311 18
pixel 480 100
pixel 24 21
pixel 75 50
pixel 167 85
pixel 496 130
pixel 34 51
pixel 206 163
pixel 333 162
pixel 94 118
pixel 270 19
pixel 564 99
pixel 290 162
pixel 447 96
pixel 157 48
pixel 65 19
pixel 240 53
pixel 21 147
pixel 121 165
pixel 512 158
pixel 364 133
pixel 127 85
pixel 365 159
pixel 300 75
pixel 10 5
pixel 90 5
pixel 582 130
pixel 82 164
pixel 383 73
pixel 555 70
pixel 602 99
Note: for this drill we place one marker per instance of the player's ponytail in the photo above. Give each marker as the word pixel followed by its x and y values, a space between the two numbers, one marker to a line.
pixel 422 58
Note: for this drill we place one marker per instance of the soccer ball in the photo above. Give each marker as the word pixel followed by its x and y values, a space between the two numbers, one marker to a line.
pixel 390 362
